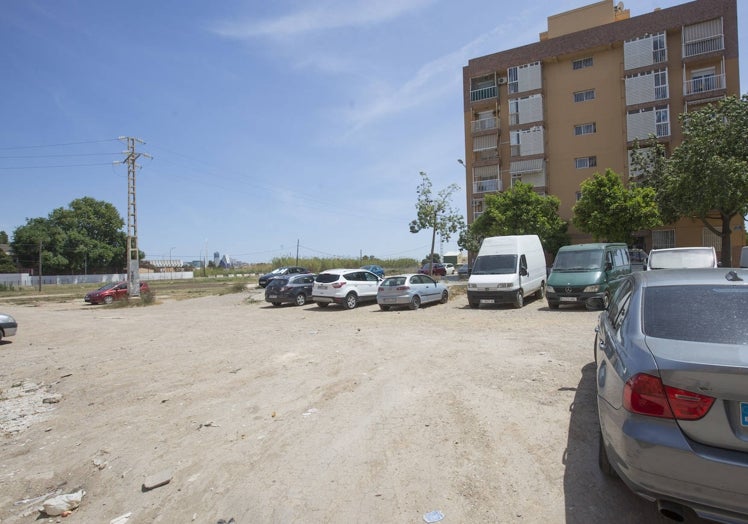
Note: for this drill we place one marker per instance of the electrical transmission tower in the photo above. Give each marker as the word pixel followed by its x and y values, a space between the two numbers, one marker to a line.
pixel 133 254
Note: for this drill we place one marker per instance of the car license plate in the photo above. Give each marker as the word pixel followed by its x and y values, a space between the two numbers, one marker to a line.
pixel 568 299
pixel 388 300
pixel 272 296
pixel 744 414
pixel 486 301
pixel 322 286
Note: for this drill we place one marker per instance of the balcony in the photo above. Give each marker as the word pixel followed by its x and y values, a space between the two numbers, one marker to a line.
pixel 483 93
pixel 704 46
pixel 704 84
pixel 486 186
pixel 485 124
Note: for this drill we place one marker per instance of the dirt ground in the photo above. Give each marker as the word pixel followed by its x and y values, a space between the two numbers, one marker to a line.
pixel 304 414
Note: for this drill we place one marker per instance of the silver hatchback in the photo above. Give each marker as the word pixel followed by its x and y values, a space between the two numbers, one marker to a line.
pixel 671 354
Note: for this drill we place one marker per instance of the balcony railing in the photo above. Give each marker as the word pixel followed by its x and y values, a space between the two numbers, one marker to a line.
pixel 486 186
pixel 484 124
pixel 703 46
pixel 703 84
pixel 483 94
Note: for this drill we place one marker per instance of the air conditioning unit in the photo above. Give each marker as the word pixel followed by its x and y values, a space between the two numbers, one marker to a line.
pixel 502 80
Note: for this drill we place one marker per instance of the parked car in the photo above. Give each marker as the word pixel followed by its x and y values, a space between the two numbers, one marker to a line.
pixel 451 269
pixel 113 291
pixel 296 289
pixel 672 398
pixel 348 287
pixel 410 290
pixel 8 326
pixel 438 269
pixel 374 268
pixel 279 271
pixel 587 274
pixel 463 271
pixel 682 257
pixel 507 269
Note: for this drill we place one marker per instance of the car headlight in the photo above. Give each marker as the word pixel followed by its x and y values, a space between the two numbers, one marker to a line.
pixel 592 289
pixel 549 289
pixel 504 285
pixel 472 286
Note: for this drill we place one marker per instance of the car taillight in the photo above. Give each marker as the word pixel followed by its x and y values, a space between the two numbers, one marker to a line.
pixel 647 395
pixel 337 285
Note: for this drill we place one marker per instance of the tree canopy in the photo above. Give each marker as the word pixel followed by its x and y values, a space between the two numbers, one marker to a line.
pixel 435 212
pixel 520 211
pixel 609 211
pixel 87 236
pixel 706 177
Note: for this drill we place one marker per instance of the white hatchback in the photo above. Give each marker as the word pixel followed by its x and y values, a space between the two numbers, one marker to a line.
pixel 348 287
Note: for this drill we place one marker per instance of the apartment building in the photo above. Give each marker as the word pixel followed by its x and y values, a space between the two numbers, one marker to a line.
pixel 555 112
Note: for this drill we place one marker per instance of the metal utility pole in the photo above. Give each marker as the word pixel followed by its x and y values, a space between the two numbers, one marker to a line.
pixel 133 254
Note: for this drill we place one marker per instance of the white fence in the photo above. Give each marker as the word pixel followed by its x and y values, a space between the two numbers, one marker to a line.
pixel 18 280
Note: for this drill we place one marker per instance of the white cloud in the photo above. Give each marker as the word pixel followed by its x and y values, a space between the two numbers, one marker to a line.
pixel 332 14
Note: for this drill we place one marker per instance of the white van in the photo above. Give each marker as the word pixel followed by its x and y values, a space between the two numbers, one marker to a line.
pixel 744 256
pixel 507 269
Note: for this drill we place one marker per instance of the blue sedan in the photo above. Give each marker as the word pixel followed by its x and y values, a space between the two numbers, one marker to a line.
pixel 376 269
pixel 410 290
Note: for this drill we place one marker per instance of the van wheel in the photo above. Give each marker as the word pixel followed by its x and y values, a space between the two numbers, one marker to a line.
pixel 519 299
pixel 540 293
pixel 351 301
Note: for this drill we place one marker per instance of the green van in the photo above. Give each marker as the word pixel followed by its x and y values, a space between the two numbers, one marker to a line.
pixel 587 274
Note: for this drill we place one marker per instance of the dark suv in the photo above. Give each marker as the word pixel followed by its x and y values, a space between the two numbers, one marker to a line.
pixel 280 271
pixel 295 289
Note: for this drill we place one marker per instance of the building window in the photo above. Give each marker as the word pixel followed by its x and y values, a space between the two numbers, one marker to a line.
pixel 660 80
pixel 659 51
pixel 585 162
pixel 582 63
pixel 662 119
pixel 585 129
pixel 512 80
pixel 663 239
pixel 583 96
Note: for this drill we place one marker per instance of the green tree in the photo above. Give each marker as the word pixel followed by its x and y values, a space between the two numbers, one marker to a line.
pixel 521 211
pixel 87 236
pixel 6 263
pixel 611 212
pixel 706 177
pixel 3 237
pixel 435 212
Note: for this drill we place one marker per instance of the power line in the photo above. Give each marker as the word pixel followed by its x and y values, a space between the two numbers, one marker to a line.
pixel 57 166
pixel 66 155
pixel 40 146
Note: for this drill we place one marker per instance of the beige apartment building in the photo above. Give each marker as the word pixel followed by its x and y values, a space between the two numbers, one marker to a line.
pixel 555 112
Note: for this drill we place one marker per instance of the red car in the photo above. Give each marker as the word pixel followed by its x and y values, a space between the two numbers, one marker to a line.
pixel 111 292
pixel 438 269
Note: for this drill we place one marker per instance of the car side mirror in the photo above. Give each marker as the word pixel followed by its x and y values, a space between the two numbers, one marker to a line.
pixel 523 271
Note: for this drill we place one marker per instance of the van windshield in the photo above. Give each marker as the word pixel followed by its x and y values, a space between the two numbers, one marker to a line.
pixel 495 265
pixel 579 260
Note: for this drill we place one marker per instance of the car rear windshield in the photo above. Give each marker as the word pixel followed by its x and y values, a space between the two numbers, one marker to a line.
pixel 394 282
pixel 327 278
pixel 278 282
pixel 495 265
pixel 697 313
pixel 679 259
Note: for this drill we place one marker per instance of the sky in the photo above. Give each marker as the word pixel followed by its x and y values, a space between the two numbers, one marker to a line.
pixel 276 129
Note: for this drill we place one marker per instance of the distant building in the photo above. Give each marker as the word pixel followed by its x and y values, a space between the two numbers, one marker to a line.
pixel 554 112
